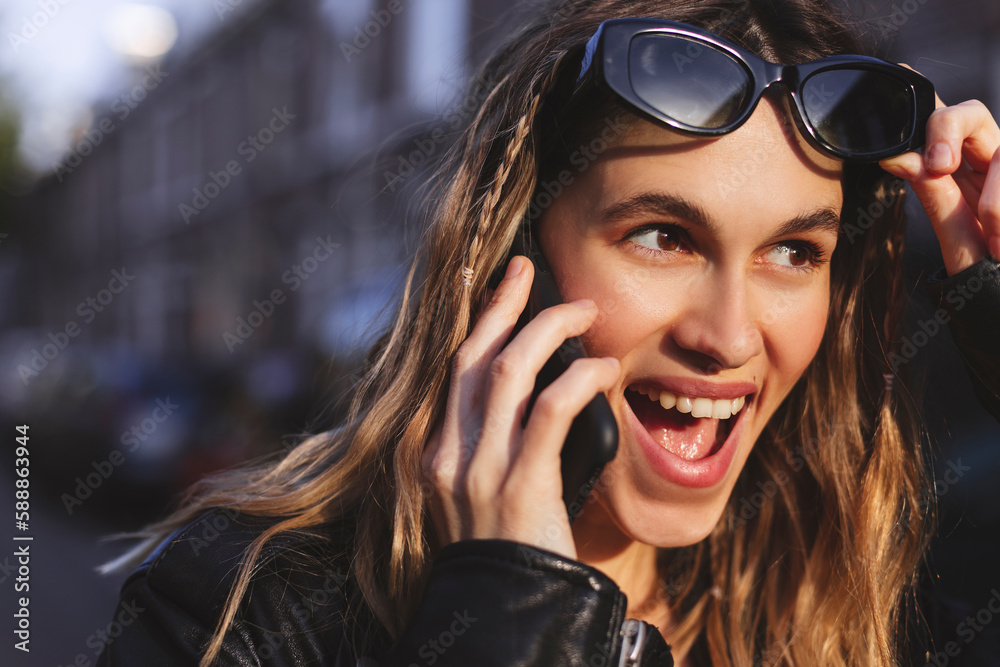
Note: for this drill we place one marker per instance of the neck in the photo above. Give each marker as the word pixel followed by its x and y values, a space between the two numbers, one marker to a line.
pixel 632 564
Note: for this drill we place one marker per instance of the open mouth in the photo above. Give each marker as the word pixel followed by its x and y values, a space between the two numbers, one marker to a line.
pixel 692 428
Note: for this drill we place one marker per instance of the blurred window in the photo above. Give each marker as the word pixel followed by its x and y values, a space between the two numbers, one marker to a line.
pixel 435 64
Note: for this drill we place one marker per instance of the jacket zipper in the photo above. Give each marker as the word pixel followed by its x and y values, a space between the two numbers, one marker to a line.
pixel 633 634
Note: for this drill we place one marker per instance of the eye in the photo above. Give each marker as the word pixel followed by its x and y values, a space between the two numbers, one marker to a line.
pixel 796 254
pixel 664 238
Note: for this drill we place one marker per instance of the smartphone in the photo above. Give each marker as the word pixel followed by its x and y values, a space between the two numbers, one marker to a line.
pixel 593 438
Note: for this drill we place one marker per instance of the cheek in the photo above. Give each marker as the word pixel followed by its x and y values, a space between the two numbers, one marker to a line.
pixel 793 331
pixel 626 308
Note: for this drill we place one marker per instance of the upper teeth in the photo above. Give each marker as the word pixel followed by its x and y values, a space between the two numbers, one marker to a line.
pixel 698 407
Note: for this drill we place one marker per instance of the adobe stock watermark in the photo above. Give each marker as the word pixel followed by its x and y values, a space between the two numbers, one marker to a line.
pixel 749 506
pixel 468 444
pixel 666 591
pixel 121 107
pixel 303 610
pixel 898 17
pixel 223 7
pixel 426 146
pixel 88 309
pixel 951 476
pixel 958 297
pixel 7 569
pixel 742 170
pixel 105 636
pixel 31 26
pixel 432 649
pixel 321 596
pixel 625 286
pixel 767 657
pixel 105 468
pixel 211 527
pixel 552 532
pixel 264 309
pixel 249 149
pixel 364 34
pixel 693 50
pixel 867 216
pixel 581 159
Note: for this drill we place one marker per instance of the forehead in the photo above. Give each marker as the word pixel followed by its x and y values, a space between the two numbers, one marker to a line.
pixel 763 166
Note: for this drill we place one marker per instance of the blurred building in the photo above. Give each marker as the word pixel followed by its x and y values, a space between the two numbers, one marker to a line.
pixel 231 223
pixel 295 98
pixel 197 279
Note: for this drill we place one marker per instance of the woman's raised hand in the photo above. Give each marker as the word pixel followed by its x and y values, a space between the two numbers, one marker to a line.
pixel 490 477
pixel 957 179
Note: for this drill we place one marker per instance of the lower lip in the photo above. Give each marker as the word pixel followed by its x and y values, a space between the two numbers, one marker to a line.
pixel 699 474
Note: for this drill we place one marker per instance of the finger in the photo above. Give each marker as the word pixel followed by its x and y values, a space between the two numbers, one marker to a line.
pixel 989 208
pixel 512 377
pixel 497 320
pixel 444 519
pixel 447 463
pixel 965 131
pixel 487 338
pixel 954 222
pixel 533 488
pixel 971 183
pixel 556 408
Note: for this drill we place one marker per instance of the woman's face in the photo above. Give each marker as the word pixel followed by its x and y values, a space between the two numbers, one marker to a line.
pixel 709 264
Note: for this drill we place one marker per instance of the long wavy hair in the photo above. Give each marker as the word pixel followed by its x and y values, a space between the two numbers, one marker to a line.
pixel 815 559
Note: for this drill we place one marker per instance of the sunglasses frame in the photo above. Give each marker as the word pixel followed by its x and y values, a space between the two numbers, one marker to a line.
pixel 606 59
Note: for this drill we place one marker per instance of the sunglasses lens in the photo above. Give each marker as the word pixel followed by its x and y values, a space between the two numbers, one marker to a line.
pixel 859 111
pixel 688 81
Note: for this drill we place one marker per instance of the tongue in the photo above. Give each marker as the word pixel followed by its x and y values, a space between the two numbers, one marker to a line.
pixel 688 437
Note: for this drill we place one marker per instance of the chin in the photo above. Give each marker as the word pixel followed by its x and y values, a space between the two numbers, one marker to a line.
pixel 659 523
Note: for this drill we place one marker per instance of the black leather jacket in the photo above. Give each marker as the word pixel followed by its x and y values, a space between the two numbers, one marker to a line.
pixel 487 602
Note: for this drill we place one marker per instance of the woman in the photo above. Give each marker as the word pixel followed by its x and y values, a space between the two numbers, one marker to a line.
pixel 741 325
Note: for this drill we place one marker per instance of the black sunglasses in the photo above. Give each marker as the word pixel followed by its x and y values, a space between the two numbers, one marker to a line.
pixel 852 107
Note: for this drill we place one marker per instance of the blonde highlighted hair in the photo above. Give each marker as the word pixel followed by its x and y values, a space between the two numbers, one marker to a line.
pixel 818 574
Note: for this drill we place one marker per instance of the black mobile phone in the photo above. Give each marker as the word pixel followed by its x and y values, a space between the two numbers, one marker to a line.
pixel 593 438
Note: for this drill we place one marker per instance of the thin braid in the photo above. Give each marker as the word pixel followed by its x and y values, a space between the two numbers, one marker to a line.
pixel 514 151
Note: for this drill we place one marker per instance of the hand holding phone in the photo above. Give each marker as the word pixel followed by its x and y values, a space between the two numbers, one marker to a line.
pixel 497 465
pixel 593 439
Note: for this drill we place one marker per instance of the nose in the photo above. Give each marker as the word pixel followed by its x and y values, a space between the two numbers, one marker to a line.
pixel 717 329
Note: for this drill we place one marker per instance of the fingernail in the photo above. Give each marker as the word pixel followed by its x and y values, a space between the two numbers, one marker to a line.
pixel 611 361
pixel 514 268
pixel 994 244
pixel 585 304
pixel 938 156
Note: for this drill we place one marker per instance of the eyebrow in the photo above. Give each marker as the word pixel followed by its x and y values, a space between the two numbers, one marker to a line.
pixel 824 219
pixel 659 204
